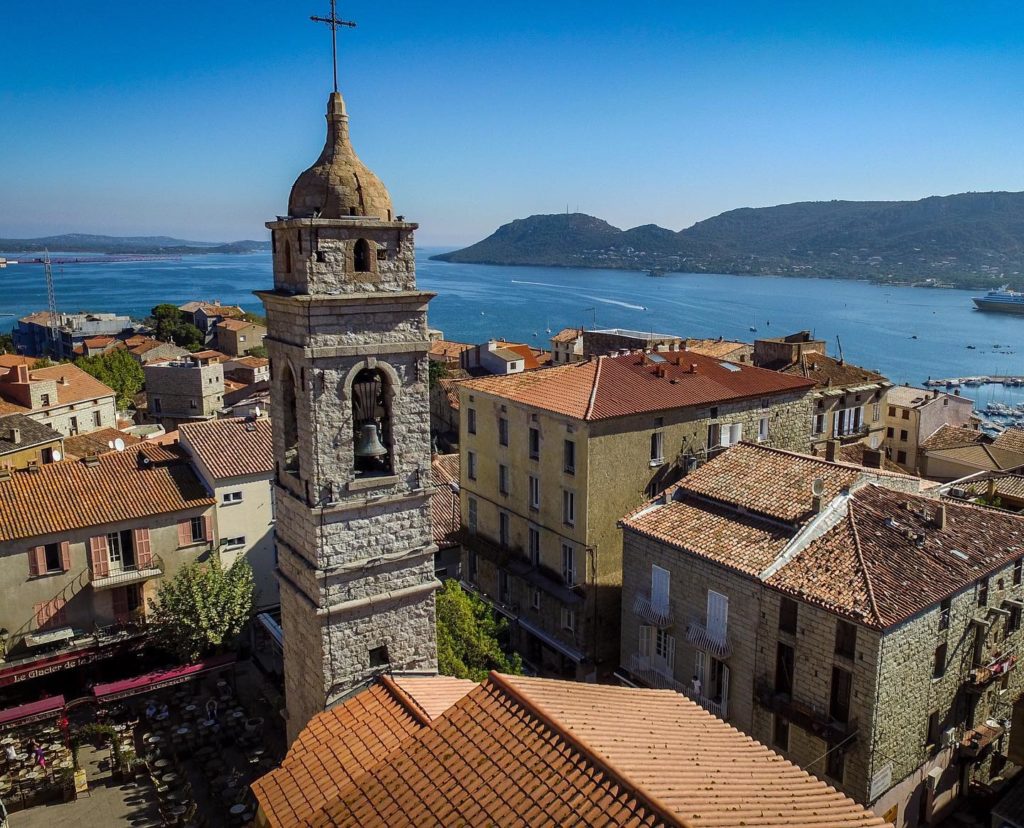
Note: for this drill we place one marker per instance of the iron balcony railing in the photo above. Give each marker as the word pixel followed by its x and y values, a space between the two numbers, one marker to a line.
pixel 126 575
pixel 712 640
pixel 655 672
pixel 650 613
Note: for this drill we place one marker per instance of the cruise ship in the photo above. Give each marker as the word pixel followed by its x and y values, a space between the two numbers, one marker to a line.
pixel 1003 301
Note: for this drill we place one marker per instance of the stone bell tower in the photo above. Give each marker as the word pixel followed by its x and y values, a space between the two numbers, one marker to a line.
pixel 347 339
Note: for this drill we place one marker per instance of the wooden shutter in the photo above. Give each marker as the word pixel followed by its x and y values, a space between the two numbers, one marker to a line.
pixel 143 549
pixel 119 597
pixel 670 653
pixel 99 556
pixel 35 555
pixel 645 640
pixel 208 528
pixel 725 690
pixel 65 556
pixel 718 614
pixel 184 532
pixel 659 589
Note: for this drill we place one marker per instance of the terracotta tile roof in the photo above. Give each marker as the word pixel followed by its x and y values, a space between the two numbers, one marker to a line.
pixel 61 497
pixel 518 751
pixel 907 396
pixel 432 695
pixel 769 482
pixel 525 352
pixel 451 392
pixel 236 324
pixel 854 454
pixel 212 309
pixel 446 349
pixel 980 456
pixel 73 385
pixel 96 442
pixel 209 353
pixel 828 372
pixel 887 559
pixel 137 339
pixel 1006 485
pixel 717 348
pixel 444 500
pixel 39 318
pixel 98 341
pixel 233 385
pixel 252 362
pixel 1011 440
pixel 235 447
pixel 31 433
pixel 609 387
pixel 13 360
pixel 146 346
pixel 567 335
pixel 948 436
pixel 342 743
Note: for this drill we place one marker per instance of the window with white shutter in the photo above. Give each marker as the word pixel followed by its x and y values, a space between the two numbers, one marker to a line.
pixel 645 640
pixel 718 615
pixel 659 589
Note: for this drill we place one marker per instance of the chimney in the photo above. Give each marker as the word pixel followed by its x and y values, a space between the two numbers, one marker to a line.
pixel 15 436
pixel 21 373
pixel 940 517
pixel 990 492
pixel 693 367
pixel 872 458
pixel 63 380
pixel 817 504
pixel 831 446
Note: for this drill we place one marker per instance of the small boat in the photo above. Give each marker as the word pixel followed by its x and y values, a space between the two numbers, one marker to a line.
pixel 913 336
pixel 972 347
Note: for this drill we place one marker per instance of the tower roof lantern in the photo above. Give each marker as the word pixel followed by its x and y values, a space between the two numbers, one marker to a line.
pixel 339 185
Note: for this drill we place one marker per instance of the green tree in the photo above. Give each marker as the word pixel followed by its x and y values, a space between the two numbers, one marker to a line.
pixel 6 344
pixel 438 371
pixel 258 351
pixel 255 318
pixel 170 325
pixel 203 608
pixel 118 370
pixel 468 636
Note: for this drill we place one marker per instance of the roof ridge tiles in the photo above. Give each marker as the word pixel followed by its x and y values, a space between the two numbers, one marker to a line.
pixel 578 743
pixel 863 563
pixel 407 701
pixel 593 389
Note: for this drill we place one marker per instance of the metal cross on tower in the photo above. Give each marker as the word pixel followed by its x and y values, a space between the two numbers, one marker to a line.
pixel 334 21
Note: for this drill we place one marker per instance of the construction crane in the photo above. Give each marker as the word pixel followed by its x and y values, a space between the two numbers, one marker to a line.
pixel 56 344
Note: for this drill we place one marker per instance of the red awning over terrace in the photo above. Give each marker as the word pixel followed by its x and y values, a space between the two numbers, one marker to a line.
pixel 160 678
pixel 33 711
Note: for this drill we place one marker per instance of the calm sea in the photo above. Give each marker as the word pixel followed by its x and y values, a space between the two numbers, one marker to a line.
pixel 909 334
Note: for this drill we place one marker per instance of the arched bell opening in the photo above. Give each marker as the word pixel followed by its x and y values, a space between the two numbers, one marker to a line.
pixel 362 257
pixel 290 425
pixel 371 424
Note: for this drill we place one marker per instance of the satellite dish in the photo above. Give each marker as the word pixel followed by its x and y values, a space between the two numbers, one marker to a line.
pixel 57 456
pixel 256 411
pixel 818 487
pixel 110 444
pixel 119 444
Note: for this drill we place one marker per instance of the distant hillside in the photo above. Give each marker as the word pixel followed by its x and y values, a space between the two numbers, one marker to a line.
pixel 85 243
pixel 969 240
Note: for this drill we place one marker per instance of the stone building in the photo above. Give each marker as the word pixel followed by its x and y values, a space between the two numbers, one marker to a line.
pixel 25 442
pixel 32 335
pixel 848 400
pixel 63 397
pixel 235 460
pixel 347 340
pixel 567 346
pixel 184 390
pixel 206 315
pixel 236 337
pixel 865 631
pixel 550 459
pixel 952 452
pixel 912 415
pixel 92 562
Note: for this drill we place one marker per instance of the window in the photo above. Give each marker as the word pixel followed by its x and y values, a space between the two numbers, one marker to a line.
pixel 766 403
pixel 787 615
pixel 784 669
pixel 192 404
pixel 503 532
pixel 659 589
pixel 904 436
pixel 762 429
pixel 905 414
pixel 471 465
pixel 718 615
pixel 197 529
pixel 44 400
pixel 503 431
pixel 939 668
pixel 728 434
pixel 233 543
pixel 471 564
pixel 714 435
pixel 568 620
pixel 379 656
pixel 713 413
pixel 780 733
pixel 876 412
pixel 534 492
pixel 97 419
pixel 1013 621
pixel 835 763
pixel 73 426
pixel 1018 565
pixel 120 550
pixel 471 516
pixel 533 541
pixel 503 478
pixel 231 497
pixel 534 443
pixel 53 557
pixel 664 646
pixel 849 421
pixel 846 639
pixel 983 592
pixel 839 699
pixel 471 420
pixel 569 457
pixel 504 587
pixel 657 439
pixel 819 423
pixel 568 565
pixel 944 614
pixel 892 410
pixel 535 599
pixel 932 734
pixel 156 405
pixel 362 257
pixel 890 432
pixel 568 507
pixel 901 457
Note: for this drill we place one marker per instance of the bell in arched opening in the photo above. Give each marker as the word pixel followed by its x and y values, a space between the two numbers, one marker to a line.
pixel 371 423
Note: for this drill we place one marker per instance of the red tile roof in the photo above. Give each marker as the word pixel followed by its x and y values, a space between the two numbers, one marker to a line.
pixel 609 387
pixel 73 385
pixel 96 442
pixel 235 447
pixel 446 349
pixel 61 497
pixel 518 751
pixel 444 501
pixel 567 335
pixel 828 372
pixel 949 436
pixel 1011 440
pixel 236 324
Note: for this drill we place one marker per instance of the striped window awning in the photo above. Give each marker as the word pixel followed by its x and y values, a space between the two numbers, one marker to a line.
pixel 700 637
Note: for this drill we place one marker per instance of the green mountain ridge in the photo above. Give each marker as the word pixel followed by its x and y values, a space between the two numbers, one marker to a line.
pixel 964 240
pixel 88 243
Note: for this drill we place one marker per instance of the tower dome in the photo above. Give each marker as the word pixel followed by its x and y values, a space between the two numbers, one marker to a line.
pixel 339 185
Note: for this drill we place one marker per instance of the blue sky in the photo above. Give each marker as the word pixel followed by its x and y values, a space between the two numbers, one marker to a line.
pixel 193 118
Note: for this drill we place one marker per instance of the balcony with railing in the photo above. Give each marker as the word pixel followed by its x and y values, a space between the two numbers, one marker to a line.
pixel 812 718
pixel 655 614
pixel 656 672
pixel 712 639
pixel 127 575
